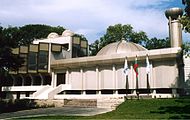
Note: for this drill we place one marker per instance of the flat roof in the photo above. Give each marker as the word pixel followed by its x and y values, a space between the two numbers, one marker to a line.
pixel 165 53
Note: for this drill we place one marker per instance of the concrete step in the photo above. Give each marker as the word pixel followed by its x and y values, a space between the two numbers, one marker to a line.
pixel 80 102
pixel 111 103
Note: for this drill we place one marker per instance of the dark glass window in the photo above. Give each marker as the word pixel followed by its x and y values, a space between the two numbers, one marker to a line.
pixel 60 78
pixel 32 61
pixel 76 51
pixel 65 46
pixel 43 61
pixel 83 52
pixel 23 69
pixel 47 80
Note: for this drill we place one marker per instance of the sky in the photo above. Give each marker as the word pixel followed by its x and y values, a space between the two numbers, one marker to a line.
pixel 90 17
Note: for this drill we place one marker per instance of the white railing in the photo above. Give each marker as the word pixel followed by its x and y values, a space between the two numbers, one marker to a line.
pixel 58 89
pixel 21 88
pixel 37 93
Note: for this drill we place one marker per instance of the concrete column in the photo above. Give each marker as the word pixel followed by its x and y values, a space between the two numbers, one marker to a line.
pixel 98 80
pixel 42 79
pixel 22 80
pixel 32 82
pixel 151 75
pixel 70 46
pixel 114 77
pixel 67 76
pixel 175 27
pixel 83 81
pixel 176 33
pixel 49 58
pixel 54 79
pixel 13 78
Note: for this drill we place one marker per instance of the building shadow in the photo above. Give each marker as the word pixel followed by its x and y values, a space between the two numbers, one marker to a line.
pixel 180 110
pixel 17 105
pixel 187 86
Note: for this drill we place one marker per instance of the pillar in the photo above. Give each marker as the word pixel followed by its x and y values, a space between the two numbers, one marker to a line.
pixel 98 80
pixel 114 77
pixel 83 81
pixel 175 27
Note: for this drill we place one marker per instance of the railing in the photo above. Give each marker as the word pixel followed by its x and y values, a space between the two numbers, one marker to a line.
pixel 37 93
pixel 22 88
pixel 58 89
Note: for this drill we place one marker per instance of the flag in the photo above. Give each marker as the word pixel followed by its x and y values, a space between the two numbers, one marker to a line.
pixel 135 66
pixel 147 65
pixel 126 68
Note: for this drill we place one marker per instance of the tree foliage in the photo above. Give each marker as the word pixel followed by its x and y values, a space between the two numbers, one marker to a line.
pixel 119 31
pixel 186 49
pixel 7 59
pixel 155 43
pixel 116 33
pixel 26 34
pixel 186 17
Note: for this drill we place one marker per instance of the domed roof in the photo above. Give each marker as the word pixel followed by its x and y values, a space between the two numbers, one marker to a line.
pixel 67 33
pixel 120 47
pixel 53 35
pixel 174 13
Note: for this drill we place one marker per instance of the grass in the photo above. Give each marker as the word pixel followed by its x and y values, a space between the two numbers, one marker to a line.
pixel 141 109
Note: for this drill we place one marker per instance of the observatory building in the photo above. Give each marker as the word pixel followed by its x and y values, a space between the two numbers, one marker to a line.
pixel 61 68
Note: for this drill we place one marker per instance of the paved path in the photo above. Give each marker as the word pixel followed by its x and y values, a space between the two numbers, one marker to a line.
pixel 67 111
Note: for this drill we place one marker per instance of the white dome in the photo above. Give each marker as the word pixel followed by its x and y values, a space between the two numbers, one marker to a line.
pixel 120 47
pixel 67 33
pixel 53 35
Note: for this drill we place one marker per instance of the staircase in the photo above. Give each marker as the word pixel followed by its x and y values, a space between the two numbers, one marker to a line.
pixel 109 102
pixel 58 89
pixel 101 102
pixel 80 103
pixel 48 92
pixel 42 93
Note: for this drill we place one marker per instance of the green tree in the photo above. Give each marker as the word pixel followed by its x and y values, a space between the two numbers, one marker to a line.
pixel 7 59
pixel 119 31
pixel 28 33
pixel 186 17
pixel 155 43
pixel 116 33
pixel 94 47
pixel 186 49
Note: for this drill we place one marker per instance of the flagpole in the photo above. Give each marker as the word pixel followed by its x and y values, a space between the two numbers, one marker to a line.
pixel 126 86
pixel 126 71
pixel 137 87
pixel 147 72
pixel 136 70
pixel 147 78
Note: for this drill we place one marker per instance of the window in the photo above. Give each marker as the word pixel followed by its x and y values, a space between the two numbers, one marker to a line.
pixel 60 78
pixel 76 51
pixel 23 69
pixel 43 61
pixel 32 62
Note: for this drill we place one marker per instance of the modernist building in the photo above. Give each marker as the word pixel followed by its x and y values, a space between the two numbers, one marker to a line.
pixel 59 68
pixel 35 72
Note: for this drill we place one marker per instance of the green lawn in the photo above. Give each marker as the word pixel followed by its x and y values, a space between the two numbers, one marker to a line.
pixel 142 109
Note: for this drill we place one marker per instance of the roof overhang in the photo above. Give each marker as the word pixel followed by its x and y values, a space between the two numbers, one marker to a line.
pixel 114 59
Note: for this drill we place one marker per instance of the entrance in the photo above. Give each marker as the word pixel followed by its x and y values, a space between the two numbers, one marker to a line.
pixel 60 78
